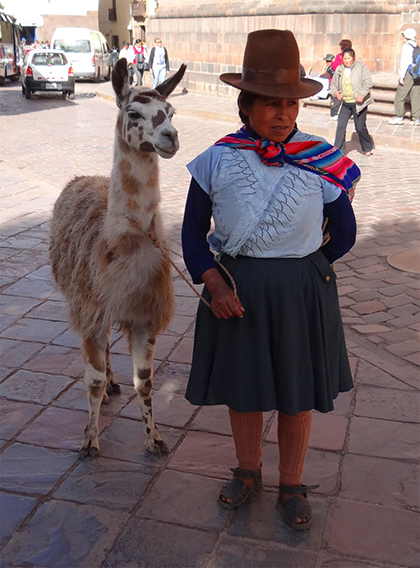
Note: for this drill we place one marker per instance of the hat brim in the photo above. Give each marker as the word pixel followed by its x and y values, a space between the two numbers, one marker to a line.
pixel 304 88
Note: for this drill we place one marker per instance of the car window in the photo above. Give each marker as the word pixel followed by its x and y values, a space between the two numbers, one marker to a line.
pixel 73 46
pixel 96 43
pixel 49 59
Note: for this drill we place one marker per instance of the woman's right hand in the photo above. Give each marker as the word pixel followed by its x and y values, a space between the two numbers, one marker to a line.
pixel 224 304
pixel 339 95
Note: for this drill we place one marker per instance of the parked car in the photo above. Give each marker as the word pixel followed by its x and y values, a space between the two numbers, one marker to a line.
pixel 87 51
pixel 47 70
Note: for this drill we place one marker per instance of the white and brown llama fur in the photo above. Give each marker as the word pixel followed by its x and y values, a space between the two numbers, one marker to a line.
pixel 104 262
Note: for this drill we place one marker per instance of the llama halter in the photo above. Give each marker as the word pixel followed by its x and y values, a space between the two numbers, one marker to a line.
pixel 314 156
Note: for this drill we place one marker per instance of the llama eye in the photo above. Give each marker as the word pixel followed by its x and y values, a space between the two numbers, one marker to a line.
pixel 133 115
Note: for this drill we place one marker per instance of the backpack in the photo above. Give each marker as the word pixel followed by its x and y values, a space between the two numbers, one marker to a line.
pixel 414 68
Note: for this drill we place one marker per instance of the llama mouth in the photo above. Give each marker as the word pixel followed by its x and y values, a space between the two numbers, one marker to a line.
pixel 166 153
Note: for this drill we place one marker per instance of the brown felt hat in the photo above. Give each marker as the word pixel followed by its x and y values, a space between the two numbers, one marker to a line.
pixel 271 67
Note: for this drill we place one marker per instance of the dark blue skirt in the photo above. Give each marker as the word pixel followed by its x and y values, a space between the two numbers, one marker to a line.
pixel 288 352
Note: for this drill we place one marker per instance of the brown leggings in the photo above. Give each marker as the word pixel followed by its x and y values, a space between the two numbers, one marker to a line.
pixel 293 438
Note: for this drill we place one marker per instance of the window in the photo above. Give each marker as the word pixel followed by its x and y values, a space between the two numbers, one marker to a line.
pixel 72 46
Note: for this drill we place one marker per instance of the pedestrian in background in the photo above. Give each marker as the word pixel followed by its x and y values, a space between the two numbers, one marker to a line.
pixel 336 62
pixel 127 53
pixel 141 65
pixel 406 84
pixel 278 343
pixel 159 62
pixel 351 86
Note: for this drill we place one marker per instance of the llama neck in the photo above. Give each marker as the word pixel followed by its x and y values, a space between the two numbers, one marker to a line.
pixel 134 186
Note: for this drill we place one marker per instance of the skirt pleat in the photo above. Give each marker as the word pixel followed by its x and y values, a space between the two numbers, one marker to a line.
pixel 287 353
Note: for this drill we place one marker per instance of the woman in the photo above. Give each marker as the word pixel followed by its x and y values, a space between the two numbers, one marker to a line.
pixel 336 62
pixel 278 343
pixel 351 85
pixel 141 65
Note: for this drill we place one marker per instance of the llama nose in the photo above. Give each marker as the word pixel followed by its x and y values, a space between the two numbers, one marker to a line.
pixel 171 135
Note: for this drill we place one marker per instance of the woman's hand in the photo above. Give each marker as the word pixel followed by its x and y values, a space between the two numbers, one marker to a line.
pixel 339 95
pixel 224 305
pixel 359 98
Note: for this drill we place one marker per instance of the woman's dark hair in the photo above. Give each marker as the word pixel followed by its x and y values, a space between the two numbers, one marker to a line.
pixel 350 52
pixel 345 44
pixel 245 100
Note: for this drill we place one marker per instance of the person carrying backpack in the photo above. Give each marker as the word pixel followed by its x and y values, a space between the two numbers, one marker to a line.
pixel 407 84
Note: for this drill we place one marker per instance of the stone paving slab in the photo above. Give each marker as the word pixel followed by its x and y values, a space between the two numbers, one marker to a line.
pixel 128 508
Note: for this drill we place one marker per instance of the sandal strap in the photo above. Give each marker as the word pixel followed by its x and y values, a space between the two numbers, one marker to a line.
pixel 246 473
pixel 302 490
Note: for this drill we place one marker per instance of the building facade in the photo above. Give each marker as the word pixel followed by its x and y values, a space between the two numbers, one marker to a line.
pixel 124 20
pixel 210 37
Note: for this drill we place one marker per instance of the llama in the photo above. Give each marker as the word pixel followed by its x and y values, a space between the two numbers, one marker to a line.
pixel 108 252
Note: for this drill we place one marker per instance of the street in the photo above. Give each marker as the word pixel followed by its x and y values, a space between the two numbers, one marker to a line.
pixel 127 508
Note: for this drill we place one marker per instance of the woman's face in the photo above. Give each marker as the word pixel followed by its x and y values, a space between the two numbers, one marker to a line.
pixel 348 60
pixel 273 118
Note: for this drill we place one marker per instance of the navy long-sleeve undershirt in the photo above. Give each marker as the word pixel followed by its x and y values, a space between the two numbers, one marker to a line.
pixel 196 225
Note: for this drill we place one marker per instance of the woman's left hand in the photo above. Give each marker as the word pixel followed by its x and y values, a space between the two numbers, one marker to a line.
pixel 359 98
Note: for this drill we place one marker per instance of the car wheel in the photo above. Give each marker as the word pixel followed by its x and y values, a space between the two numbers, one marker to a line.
pixel 14 78
pixel 108 76
pixel 23 91
pixel 2 80
pixel 28 94
pixel 71 95
pixel 97 78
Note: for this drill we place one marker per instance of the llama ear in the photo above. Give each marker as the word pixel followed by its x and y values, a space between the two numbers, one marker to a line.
pixel 166 88
pixel 120 80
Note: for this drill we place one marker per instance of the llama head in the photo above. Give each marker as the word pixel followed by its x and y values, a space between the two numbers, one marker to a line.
pixel 144 121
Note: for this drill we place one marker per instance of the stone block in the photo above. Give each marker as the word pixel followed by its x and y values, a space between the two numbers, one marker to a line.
pixel 32 469
pixel 123 440
pixel 169 408
pixel 59 428
pixel 373 532
pixel 205 453
pixel 167 501
pixel 14 416
pixel 106 483
pixel 65 535
pixel 384 438
pixel 27 386
pixel 328 431
pixel 172 377
pixel 151 543
pixel 15 353
pixel 259 519
pixel 368 374
pixel 404 348
pixel 13 511
pixel 237 553
pixel 27 329
pixel 369 307
pixel 381 481
pixel 57 360
pixel 183 351
pixel 388 404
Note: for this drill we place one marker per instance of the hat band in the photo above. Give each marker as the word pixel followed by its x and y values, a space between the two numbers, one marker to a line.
pixel 264 77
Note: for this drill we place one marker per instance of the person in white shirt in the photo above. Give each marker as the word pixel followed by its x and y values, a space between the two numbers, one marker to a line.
pixel 127 52
pixel 406 84
pixel 159 62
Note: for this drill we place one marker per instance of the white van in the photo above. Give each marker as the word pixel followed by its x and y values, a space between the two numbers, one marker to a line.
pixel 87 51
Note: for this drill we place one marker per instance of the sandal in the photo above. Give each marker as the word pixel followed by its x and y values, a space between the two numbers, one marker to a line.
pixel 295 507
pixel 236 490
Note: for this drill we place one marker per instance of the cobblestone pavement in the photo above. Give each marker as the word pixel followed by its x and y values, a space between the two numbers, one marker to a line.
pixel 127 508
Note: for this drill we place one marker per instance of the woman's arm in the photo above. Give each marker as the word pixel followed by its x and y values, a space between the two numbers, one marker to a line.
pixel 341 227
pixel 198 257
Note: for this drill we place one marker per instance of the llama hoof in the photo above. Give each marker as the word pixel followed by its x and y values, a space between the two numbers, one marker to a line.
pixel 156 447
pixel 113 388
pixel 88 451
pixel 105 399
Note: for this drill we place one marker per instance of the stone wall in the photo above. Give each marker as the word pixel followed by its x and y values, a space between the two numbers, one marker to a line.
pixel 211 37
pixel 51 22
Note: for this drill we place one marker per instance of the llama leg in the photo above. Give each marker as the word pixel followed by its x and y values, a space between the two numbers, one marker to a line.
pixel 111 384
pixel 94 353
pixel 142 348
